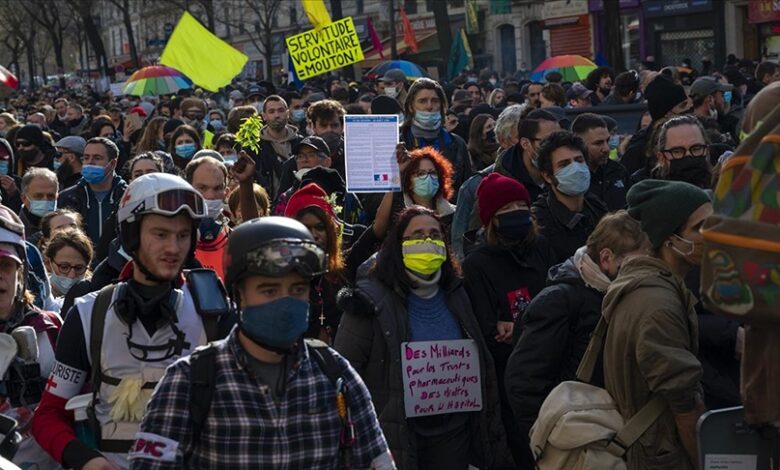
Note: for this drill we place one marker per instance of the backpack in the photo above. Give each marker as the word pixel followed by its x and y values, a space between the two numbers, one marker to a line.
pixel 579 426
pixel 741 263
pixel 203 375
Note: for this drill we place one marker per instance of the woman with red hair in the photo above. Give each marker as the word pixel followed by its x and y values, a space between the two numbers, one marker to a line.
pixel 426 180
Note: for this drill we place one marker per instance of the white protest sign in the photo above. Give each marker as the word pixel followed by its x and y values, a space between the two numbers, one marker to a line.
pixel 369 153
pixel 730 462
pixel 441 377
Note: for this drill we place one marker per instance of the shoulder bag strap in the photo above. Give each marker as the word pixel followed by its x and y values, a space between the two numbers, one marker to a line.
pixel 96 327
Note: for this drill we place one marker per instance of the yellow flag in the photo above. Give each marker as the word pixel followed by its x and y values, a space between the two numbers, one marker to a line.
pixel 317 13
pixel 200 55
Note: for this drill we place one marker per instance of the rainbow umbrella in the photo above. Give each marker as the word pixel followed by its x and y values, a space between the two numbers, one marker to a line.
pixel 155 80
pixel 572 67
pixel 410 69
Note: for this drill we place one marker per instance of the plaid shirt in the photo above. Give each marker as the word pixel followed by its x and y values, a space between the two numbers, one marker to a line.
pixel 245 428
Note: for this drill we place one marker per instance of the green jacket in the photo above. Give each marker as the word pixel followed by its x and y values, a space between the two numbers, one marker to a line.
pixel 650 349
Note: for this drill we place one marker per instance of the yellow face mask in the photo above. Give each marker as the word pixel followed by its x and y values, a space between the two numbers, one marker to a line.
pixel 424 256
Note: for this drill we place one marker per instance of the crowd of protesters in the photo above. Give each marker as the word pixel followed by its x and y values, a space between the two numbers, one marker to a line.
pixel 518 225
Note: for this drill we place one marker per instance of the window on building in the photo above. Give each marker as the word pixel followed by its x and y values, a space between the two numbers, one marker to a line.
pixel 455 3
pixel 428 5
pixel 293 15
pixel 274 21
pixel 359 5
pixel 410 6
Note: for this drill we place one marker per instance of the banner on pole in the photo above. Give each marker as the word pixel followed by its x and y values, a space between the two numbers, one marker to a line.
pixel 334 46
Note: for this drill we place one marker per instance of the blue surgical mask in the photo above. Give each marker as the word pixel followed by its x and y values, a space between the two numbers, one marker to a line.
pixel 185 150
pixel 278 323
pixel 216 124
pixel 727 96
pixel 426 186
pixel 614 141
pixel 401 118
pixel 573 179
pixel 430 121
pixel 56 164
pixel 298 115
pixel 42 207
pixel 93 174
pixel 230 159
pixel 63 283
pixel 4 167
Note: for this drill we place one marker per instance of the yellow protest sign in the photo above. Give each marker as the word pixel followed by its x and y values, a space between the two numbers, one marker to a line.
pixel 334 46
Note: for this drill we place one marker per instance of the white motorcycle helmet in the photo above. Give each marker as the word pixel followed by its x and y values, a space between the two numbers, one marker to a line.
pixel 156 193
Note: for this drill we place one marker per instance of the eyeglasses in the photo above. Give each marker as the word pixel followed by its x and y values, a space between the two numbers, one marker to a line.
pixel 421 235
pixel 697 150
pixel 65 268
pixel 424 173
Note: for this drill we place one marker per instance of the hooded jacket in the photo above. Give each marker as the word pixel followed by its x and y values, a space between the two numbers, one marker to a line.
pixel 553 335
pixel 374 324
pixel 650 350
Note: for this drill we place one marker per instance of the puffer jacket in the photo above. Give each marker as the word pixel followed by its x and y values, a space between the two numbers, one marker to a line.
pixel 553 334
pixel 650 350
pixel 372 329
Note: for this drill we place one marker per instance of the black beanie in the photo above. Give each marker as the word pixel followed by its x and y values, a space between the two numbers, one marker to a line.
pixel 662 95
pixel 32 134
pixel 663 207
pixel 383 104
pixel 326 178
pixel 172 125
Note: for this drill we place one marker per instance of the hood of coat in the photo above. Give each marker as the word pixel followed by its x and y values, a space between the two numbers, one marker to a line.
pixel 564 273
pixel 641 272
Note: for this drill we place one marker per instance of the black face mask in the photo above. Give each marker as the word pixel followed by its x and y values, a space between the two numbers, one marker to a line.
pixel 694 170
pixel 491 136
pixel 514 226
pixel 74 122
pixel 28 155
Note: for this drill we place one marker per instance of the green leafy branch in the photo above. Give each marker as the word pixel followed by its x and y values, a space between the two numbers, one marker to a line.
pixel 248 135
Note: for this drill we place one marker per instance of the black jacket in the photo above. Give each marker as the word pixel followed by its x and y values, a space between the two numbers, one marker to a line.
pixel 31 222
pixel 635 157
pixel 501 281
pixel 566 230
pixel 610 183
pixel 553 335
pixel 269 167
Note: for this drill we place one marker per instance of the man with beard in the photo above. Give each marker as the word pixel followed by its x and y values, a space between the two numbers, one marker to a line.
pixel 600 81
pixel 77 122
pixel 277 140
pixel 682 152
pixel 67 162
pixel 59 123
pixel 609 180
pixel 33 149
pixel 711 100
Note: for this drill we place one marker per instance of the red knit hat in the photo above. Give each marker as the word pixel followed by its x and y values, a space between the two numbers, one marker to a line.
pixel 495 191
pixel 310 195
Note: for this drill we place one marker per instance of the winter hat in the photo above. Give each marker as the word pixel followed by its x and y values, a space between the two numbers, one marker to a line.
pixel 32 134
pixel 662 95
pixel 663 207
pixel 495 191
pixel 385 105
pixel 171 125
pixel 310 195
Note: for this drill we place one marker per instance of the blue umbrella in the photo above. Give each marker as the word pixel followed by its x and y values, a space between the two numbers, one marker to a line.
pixel 410 69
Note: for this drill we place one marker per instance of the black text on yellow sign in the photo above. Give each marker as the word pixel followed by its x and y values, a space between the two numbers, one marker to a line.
pixel 334 46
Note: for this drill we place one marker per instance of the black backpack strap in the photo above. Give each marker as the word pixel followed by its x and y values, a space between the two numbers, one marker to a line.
pixel 97 324
pixel 203 374
pixel 327 362
pixel 211 326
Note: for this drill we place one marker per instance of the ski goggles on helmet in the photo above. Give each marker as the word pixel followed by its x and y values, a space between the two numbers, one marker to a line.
pixel 279 257
pixel 170 203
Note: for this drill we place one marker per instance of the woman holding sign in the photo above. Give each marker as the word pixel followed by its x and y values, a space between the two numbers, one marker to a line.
pixel 409 331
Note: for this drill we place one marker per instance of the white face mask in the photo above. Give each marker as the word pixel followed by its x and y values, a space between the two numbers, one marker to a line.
pixel 391 91
pixel 215 207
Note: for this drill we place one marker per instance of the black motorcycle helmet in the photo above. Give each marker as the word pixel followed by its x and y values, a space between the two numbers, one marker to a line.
pixel 273 247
